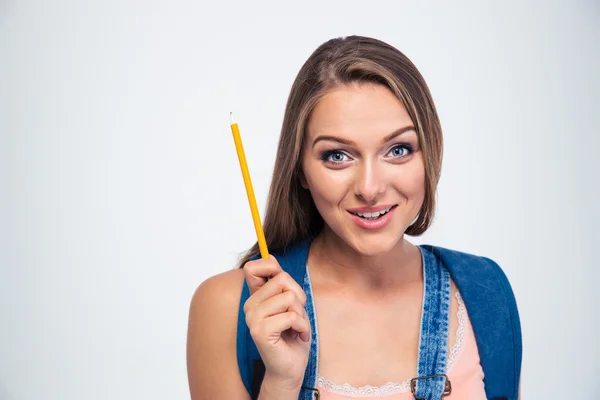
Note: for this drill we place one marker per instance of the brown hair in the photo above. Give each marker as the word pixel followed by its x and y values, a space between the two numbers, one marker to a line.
pixel 291 215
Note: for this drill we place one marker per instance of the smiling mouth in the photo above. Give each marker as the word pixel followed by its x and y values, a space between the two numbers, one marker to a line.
pixel 371 216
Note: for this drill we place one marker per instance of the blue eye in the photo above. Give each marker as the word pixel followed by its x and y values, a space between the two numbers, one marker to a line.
pixel 400 150
pixel 334 156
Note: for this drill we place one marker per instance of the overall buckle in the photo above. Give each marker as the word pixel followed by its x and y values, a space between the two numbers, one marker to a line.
pixel 447 385
pixel 317 393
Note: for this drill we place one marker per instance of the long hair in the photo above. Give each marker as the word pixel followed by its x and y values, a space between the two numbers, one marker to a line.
pixel 291 214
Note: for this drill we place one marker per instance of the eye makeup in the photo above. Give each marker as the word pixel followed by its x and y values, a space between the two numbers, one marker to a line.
pixel 339 156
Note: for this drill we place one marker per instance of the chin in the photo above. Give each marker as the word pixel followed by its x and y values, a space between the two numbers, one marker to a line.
pixel 373 245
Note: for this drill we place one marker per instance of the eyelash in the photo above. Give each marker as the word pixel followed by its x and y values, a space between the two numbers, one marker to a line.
pixel 327 154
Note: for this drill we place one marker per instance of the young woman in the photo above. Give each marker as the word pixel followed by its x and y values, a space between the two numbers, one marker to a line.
pixel 346 306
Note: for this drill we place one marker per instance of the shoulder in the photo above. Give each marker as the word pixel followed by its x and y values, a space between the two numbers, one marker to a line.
pixel 460 262
pixel 224 280
pixel 450 253
pixel 215 303
pixel 218 294
pixel 480 279
pixel 493 312
pixel 211 337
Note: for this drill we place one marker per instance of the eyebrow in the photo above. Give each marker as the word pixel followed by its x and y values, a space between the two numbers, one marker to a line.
pixel 351 143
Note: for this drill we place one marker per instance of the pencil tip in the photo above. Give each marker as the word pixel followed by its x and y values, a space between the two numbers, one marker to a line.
pixel 231 120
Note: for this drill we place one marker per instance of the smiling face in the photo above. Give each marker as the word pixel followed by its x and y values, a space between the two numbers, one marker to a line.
pixel 363 166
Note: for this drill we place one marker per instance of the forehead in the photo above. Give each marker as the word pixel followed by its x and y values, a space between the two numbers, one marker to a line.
pixel 358 110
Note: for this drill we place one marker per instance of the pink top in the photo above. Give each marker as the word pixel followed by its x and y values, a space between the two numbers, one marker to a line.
pixel 464 372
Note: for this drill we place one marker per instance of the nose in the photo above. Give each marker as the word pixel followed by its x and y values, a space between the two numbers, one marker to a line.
pixel 370 182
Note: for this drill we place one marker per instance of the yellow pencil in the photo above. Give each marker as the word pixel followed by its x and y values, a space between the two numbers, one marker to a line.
pixel 262 243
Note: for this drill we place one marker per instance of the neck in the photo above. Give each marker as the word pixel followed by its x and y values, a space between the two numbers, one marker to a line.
pixel 338 263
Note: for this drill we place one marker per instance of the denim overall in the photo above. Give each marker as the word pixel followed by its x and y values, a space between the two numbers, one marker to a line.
pixel 431 382
pixel 484 288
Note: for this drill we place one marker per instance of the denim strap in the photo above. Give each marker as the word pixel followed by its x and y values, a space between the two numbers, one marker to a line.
pixel 435 319
pixel 310 375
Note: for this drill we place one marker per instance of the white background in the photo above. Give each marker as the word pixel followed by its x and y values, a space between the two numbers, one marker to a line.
pixel 120 189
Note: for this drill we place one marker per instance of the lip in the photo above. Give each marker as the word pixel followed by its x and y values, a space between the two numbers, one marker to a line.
pixel 372 224
pixel 370 209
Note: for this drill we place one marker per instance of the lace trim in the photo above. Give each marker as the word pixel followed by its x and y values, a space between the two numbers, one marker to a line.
pixel 392 388
pixel 457 349
pixel 388 389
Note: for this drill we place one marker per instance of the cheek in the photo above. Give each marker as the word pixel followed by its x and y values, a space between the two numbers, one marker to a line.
pixel 417 184
pixel 410 181
pixel 328 188
pixel 417 187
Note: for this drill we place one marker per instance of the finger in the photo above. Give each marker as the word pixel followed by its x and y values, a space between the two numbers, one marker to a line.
pixel 282 282
pixel 305 335
pixel 258 272
pixel 275 305
pixel 281 303
pixel 275 325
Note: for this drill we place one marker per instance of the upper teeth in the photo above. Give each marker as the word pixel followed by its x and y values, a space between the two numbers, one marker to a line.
pixel 373 214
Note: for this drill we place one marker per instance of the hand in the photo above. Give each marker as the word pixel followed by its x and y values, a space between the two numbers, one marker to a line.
pixel 278 322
